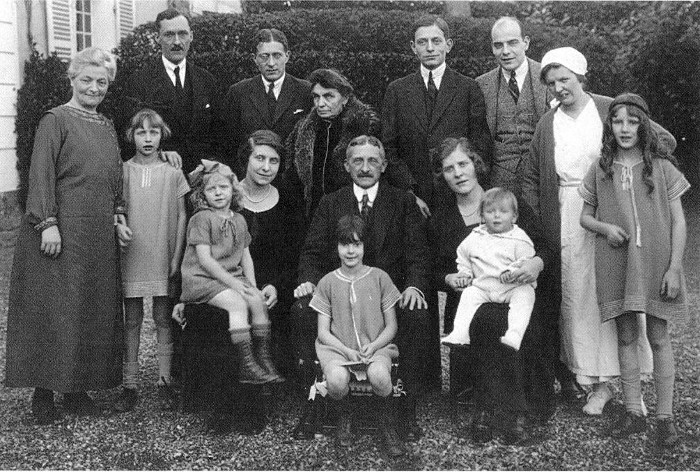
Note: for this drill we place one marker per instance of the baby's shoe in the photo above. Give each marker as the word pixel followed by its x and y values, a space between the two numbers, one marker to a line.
pixel 597 399
pixel 511 339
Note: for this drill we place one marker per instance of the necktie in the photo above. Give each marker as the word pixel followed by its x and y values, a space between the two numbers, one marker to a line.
pixel 513 86
pixel 271 100
pixel 432 94
pixel 364 203
pixel 178 83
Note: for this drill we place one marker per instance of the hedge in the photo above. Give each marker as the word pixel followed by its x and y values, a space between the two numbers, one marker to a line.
pixel 371 46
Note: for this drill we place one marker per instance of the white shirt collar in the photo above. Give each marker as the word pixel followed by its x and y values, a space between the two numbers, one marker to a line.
pixel 520 74
pixel 438 72
pixel 371 192
pixel 277 89
pixel 170 69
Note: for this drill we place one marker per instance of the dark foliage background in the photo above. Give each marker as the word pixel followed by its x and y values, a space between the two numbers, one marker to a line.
pixel 652 48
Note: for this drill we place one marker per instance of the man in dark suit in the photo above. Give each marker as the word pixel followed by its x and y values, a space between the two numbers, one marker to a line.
pixel 186 96
pixel 273 100
pixel 515 101
pixel 423 108
pixel 396 243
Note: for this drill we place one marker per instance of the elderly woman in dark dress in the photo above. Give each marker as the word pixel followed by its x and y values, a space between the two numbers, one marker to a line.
pixel 500 384
pixel 316 147
pixel 64 325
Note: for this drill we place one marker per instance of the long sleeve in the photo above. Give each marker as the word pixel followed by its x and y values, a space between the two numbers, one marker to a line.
pixel 530 222
pixel 231 115
pixel 417 253
pixel 464 265
pixel 318 244
pixel 42 207
pixel 531 171
pixel 479 133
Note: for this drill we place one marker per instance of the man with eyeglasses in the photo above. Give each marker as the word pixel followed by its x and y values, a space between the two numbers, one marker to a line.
pixel 396 242
pixel 274 100
pixel 185 95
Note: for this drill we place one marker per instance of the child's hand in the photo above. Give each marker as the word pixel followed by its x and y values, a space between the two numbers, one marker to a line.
pixel 124 234
pixel 179 314
pixel 307 288
pixel 671 283
pixel 616 236
pixel 507 277
pixel 242 288
pixel 368 350
pixel 353 355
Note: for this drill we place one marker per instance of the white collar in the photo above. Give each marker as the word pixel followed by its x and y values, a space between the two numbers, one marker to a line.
pixel 520 73
pixel 277 89
pixel 371 192
pixel 170 69
pixel 438 72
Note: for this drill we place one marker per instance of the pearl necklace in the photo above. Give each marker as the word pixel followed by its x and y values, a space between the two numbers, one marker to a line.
pixel 466 215
pixel 267 194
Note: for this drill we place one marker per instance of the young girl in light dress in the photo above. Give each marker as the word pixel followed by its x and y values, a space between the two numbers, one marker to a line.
pixel 155 195
pixel 217 269
pixel 632 201
pixel 357 324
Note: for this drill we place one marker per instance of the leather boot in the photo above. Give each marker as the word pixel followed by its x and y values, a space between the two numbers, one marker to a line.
pixel 248 369
pixel 262 337
pixel 481 428
pixel 343 433
pixel 43 407
pixel 392 443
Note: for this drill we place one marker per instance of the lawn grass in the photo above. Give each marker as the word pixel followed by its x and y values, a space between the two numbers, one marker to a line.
pixel 147 438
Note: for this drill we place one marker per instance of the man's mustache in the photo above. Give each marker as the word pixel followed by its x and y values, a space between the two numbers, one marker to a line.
pixel 364 174
pixel 176 47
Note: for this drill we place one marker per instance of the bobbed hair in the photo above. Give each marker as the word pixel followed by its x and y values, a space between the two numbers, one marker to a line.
pixel 350 229
pixel 151 117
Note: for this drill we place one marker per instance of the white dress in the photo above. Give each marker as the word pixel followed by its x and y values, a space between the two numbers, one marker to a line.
pixel 588 346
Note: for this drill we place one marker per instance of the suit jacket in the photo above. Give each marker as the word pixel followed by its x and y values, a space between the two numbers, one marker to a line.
pixel 245 110
pixel 398 237
pixel 408 137
pixel 151 87
pixel 489 84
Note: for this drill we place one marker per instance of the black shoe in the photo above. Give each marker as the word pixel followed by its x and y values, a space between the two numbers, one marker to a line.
pixel 667 434
pixel 411 430
pixel 166 396
pixel 43 407
pixel 481 427
pixel 80 403
pixel 628 423
pixel 252 424
pixel 126 401
pixel 516 432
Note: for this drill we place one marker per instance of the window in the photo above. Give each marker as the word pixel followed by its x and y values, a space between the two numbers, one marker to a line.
pixel 83 24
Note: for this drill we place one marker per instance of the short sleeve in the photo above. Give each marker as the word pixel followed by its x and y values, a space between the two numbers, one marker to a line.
pixel 390 294
pixel 588 189
pixel 199 229
pixel 183 187
pixel 676 183
pixel 320 302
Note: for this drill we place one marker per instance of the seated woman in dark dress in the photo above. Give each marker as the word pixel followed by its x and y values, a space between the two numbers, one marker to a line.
pixel 500 383
pixel 274 226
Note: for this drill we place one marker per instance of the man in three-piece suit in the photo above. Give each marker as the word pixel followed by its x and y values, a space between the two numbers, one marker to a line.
pixel 273 100
pixel 186 96
pixel 423 108
pixel 396 242
pixel 515 101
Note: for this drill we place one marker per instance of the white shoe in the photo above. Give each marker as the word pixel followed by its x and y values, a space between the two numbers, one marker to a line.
pixel 597 399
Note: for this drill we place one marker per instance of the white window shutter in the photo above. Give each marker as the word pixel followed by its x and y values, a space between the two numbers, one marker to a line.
pixel 61 22
pixel 125 17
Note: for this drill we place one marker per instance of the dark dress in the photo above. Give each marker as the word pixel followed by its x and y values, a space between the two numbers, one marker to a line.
pixel 64 327
pixel 274 248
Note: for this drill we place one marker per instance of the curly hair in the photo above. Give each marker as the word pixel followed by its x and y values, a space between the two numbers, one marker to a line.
pixel 199 200
pixel 92 57
pixel 648 143
pixel 450 145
